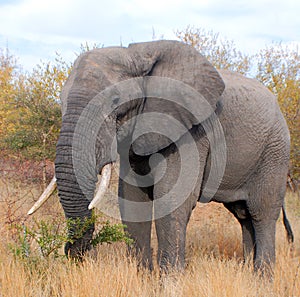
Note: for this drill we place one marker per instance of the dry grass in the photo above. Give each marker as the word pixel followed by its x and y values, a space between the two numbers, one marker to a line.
pixel 214 259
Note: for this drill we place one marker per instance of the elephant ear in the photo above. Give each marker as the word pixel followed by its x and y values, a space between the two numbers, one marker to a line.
pixel 181 88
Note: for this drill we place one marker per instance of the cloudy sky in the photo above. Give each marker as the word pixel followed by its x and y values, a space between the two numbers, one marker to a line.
pixel 34 30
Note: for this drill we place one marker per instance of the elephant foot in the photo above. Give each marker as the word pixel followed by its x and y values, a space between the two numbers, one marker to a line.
pixel 265 270
pixel 77 247
pixel 76 250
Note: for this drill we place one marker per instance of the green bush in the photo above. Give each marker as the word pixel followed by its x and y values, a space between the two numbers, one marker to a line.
pixel 45 239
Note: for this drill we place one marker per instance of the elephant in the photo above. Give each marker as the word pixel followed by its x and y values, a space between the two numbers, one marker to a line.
pixel 183 132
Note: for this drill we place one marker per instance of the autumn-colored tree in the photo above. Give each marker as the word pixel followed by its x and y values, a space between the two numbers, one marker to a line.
pixel 30 108
pixel 85 47
pixel 37 105
pixel 8 77
pixel 279 69
pixel 222 53
pixel 276 66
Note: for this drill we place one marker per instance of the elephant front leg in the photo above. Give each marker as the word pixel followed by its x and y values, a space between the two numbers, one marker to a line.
pixel 136 214
pixel 175 196
pixel 171 219
pixel 171 235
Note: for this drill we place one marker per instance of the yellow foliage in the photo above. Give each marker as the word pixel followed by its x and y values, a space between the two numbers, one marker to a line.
pixel 279 70
pixel 222 53
pixel 30 109
pixel 29 105
pixel 276 66
pixel 7 89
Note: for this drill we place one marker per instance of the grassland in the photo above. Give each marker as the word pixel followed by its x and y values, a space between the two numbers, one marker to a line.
pixel 214 258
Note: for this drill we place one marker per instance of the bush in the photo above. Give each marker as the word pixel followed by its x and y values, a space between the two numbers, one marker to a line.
pixel 45 239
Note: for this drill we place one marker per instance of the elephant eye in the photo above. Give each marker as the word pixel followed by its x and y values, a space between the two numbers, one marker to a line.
pixel 116 100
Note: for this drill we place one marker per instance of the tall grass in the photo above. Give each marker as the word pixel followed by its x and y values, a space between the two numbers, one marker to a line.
pixel 214 260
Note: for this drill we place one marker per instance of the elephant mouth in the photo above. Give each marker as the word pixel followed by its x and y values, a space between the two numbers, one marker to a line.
pixel 100 192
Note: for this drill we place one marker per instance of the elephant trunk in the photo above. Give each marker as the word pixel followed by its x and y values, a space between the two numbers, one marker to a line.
pixel 75 206
pixel 75 190
pixel 83 148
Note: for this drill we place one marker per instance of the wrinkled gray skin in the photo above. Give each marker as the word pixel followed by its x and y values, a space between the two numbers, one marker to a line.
pixel 257 139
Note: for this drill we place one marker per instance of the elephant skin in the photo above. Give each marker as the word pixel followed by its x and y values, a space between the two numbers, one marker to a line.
pixel 251 174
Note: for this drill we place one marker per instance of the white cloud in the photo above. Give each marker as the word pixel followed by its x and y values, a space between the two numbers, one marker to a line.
pixel 38 28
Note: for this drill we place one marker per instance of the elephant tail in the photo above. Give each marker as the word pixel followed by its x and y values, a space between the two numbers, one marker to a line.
pixel 288 228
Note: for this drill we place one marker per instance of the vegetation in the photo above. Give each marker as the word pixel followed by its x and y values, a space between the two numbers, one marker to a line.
pixel 45 239
pixel 214 257
pixel 31 249
pixel 277 67
pixel 222 53
pixel 30 105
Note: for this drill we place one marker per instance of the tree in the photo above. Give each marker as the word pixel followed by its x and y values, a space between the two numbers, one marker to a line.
pixel 278 67
pixel 37 104
pixel 222 53
pixel 31 111
pixel 30 105
pixel 8 77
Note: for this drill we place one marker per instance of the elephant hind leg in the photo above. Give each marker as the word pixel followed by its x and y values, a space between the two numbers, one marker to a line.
pixel 240 211
pixel 264 206
pixel 248 238
pixel 258 232
pixel 264 258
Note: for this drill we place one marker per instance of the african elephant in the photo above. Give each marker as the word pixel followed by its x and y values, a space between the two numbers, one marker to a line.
pixel 184 132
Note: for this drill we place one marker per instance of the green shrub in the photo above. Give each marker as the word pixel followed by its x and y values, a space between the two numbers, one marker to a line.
pixel 45 239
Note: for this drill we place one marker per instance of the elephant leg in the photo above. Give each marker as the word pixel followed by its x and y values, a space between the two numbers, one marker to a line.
pixel 264 258
pixel 172 211
pixel 267 189
pixel 264 206
pixel 136 213
pixel 240 211
pixel 171 235
pixel 175 195
pixel 248 238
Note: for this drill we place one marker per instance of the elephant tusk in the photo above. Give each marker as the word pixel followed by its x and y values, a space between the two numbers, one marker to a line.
pixel 104 183
pixel 44 197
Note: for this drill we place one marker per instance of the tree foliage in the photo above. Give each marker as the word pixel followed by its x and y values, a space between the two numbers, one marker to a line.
pixel 31 110
pixel 222 53
pixel 276 66
pixel 8 91
pixel 30 105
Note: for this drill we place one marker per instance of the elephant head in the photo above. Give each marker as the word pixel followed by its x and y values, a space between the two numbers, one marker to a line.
pixel 104 93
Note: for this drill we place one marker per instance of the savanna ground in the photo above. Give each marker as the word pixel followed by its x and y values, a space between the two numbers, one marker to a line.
pixel 213 252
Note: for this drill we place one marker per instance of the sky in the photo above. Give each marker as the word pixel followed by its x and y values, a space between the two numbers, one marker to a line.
pixel 34 30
